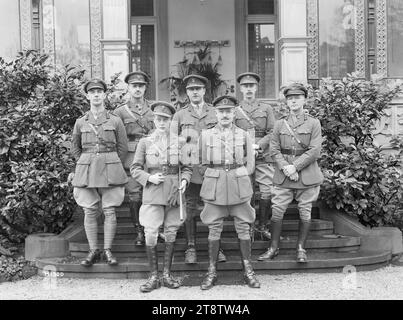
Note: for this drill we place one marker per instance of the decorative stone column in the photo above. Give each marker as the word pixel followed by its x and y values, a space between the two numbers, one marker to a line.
pixel 116 45
pixel 293 41
pixel 26 24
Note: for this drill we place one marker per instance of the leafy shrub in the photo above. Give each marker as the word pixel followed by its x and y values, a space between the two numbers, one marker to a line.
pixel 38 107
pixel 360 180
pixel 12 269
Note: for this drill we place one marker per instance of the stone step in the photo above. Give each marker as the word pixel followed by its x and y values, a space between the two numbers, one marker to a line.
pixel 290 227
pixel 122 213
pixel 326 243
pixel 228 272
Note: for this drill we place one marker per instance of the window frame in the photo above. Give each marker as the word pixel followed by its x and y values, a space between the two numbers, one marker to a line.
pixel 242 21
pixel 159 20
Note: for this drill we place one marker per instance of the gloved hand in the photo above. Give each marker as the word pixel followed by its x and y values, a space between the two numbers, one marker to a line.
pixel 173 197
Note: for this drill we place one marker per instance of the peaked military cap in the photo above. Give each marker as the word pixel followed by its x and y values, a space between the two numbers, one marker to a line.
pixel 163 108
pixel 295 89
pixel 195 80
pixel 224 102
pixel 248 77
pixel 95 84
pixel 137 77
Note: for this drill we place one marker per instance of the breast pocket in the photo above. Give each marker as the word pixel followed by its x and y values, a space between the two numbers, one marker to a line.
pixel 152 157
pixel 87 135
pixel 285 138
pixel 109 133
pixel 304 135
pixel 243 123
pixel 260 119
pixel 209 186
pixel 211 123
pixel 130 126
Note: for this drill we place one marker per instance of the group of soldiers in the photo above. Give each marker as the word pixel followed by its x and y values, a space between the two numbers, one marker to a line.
pixel 172 162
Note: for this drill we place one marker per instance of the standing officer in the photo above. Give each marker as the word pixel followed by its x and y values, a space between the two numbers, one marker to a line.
pixel 228 159
pixel 138 120
pixel 258 117
pixel 99 143
pixel 163 179
pixel 189 123
pixel 295 147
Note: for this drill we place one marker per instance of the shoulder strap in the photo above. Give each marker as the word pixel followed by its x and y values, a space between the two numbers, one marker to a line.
pixel 246 116
pixel 294 135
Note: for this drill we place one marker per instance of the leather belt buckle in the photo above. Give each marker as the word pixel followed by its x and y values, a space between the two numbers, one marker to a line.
pixel 164 169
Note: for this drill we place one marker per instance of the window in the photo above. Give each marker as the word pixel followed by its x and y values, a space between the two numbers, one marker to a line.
pixel 261 38
pixel 143 30
pixel 261 41
pixel 395 38
pixel 336 38
pixel 72 33
pixel 9 29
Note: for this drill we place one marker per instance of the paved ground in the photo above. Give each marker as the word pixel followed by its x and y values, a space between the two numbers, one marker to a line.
pixel 385 283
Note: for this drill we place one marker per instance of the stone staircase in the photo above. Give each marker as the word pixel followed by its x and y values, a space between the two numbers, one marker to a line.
pixel 327 251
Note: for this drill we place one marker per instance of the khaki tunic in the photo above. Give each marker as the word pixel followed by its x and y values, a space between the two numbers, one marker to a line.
pixel 100 147
pixel 137 127
pixel 187 123
pixel 155 153
pixel 234 147
pixel 260 118
pixel 308 131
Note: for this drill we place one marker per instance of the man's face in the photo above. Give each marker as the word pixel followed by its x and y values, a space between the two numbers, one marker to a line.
pixel 161 123
pixel 137 90
pixel 225 116
pixel 296 102
pixel 249 91
pixel 96 97
pixel 196 94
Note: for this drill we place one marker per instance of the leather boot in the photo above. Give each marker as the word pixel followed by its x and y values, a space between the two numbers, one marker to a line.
pixel 249 274
pixel 264 215
pixel 190 231
pixel 134 213
pixel 211 277
pixel 110 259
pixel 167 280
pixel 153 281
pixel 92 257
pixel 273 251
pixel 302 235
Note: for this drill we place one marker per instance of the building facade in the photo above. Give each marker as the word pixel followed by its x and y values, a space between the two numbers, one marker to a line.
pixel 282 40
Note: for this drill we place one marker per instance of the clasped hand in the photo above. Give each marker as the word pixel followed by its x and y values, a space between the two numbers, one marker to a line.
pixel 291 172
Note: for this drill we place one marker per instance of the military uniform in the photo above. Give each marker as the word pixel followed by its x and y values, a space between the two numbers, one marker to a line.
pixel 296 140
pixel 189 123
pixel 258 119
pixel 160 153
pixel 138 121
pixel 228 161
pixel 100 145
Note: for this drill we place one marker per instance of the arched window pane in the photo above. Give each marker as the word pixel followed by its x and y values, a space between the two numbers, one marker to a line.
pixel 337 23
pixel 9 29
pixel 72 34
pixel 395 38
